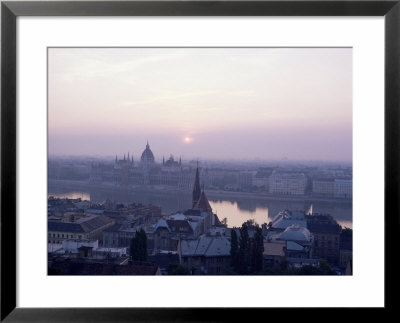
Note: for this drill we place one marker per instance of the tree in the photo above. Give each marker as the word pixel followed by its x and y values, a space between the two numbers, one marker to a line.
pixel 177 269
pixel 308 270
pixel 243 261
pixel 138 246
pixel 324 268
pixel 258 250
pixel 234 250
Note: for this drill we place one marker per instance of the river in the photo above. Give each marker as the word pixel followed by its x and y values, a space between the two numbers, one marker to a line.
pixel 236 208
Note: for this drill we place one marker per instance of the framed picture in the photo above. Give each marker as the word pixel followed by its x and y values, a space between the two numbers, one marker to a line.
pixel 191 123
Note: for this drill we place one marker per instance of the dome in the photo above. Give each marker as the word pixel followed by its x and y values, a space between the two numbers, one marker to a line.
pixel 295 233
pixel 147 155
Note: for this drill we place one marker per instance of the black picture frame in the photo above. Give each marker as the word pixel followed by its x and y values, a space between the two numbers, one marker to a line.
pixel 11 10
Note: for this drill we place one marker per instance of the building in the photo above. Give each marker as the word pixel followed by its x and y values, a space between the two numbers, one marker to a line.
pixel 323 187
pixel 85 248
pixel 286 218
pixel 298 242
pixel 147 158
pixel 89 227
pixel 80 266
pixel 261 178
pixel 287 183
pixel 343 188
pixel 190 224
pixel 119 236
pixel 326 233
pixel 167 233
pixel 346 248
pixel 245 180
pixel 274 253
pixel 207 255
pixel 126 172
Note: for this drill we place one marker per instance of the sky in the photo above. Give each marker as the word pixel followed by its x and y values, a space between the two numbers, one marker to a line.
pixel 201 103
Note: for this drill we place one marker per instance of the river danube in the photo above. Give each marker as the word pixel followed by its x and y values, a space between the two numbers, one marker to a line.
pixel 236 208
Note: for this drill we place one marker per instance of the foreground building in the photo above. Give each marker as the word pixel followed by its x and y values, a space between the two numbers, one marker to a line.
pixel 87 227
pixel 207 255
pixel 80 267
pixel 326 233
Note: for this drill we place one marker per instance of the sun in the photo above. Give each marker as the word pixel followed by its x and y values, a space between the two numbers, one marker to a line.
pixel 187 140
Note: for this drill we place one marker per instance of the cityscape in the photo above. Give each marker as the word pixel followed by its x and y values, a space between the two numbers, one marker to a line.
pixel 221 191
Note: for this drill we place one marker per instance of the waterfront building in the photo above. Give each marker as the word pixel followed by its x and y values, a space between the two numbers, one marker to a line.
pixel 125 172
pixel 262 182
pixel 343 188
pixel 245 180
pixel 147 158
pixel 323 187
pixel 261 178
pixel 281 183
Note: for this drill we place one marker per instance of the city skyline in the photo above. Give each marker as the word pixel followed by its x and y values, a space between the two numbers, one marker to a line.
pixel 211 103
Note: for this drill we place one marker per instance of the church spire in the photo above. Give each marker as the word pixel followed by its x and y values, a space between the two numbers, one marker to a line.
pixel 196 188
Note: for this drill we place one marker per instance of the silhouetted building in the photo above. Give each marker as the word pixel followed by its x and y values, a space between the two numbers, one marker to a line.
pixel 326 233
pixel 147 158
pixel 89 227
pixel 207 255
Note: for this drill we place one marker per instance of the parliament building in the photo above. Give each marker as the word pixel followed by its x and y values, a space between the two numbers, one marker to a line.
pixel 126 171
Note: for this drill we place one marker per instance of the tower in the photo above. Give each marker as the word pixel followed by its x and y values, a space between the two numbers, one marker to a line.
pixel 196 188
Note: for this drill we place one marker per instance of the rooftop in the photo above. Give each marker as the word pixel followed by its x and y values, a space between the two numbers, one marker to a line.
pixel 274 249
pixel 296 233
pixel 86 224
pixel 208 246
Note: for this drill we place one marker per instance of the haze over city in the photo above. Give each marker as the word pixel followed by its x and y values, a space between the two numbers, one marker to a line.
pixel 209 103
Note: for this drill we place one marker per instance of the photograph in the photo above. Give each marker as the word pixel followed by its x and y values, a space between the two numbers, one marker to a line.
pixel 200 161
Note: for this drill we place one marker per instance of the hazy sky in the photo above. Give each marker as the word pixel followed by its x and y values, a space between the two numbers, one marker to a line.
pixel 266 103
